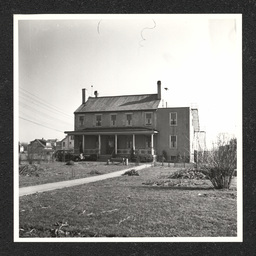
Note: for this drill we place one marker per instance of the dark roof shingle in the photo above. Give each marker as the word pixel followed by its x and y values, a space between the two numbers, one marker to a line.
pixel 120 103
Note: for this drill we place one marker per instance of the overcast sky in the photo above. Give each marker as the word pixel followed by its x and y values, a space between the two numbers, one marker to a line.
pixel 197 57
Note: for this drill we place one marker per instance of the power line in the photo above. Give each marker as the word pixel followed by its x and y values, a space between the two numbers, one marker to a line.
pixel 42 113
pixel 42 105
pixel 40 124
pixel 43 102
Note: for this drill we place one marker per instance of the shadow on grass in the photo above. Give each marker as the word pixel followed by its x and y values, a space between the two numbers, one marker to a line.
pixel 175 188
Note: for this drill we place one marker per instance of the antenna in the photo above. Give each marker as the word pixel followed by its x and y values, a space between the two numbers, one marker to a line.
pixel 91 89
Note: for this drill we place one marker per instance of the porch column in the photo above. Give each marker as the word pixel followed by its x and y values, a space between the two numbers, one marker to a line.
pixel 99 143
pixel 152 144
pixel 83 143
pixel 68 142
pixel 133 141
pixel 115 143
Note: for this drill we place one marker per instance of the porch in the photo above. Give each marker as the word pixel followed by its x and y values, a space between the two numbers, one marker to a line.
pixel 119 142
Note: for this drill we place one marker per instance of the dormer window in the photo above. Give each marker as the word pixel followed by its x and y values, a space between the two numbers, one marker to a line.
pixel 98 120
pixel 148 118
pixel 128 119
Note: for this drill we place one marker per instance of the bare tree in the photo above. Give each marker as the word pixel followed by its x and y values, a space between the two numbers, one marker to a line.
pixel 220 162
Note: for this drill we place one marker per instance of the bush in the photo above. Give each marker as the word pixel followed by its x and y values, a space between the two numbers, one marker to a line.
pixel 164 156
pixel 145 158
pixel 142 158
pixel 220 162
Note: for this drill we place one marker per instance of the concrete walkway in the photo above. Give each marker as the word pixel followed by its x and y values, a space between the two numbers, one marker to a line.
pixel 70 183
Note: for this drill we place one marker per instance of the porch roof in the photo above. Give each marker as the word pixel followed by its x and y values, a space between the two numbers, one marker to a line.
pixel 113 130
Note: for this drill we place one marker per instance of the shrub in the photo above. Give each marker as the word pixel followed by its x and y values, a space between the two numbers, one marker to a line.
pixel 142 158
pixel 145 158
pixel 164 156
pixel 220 162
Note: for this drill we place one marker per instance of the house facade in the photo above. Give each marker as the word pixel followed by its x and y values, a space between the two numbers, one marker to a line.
pixel 118 124
pixel 67 143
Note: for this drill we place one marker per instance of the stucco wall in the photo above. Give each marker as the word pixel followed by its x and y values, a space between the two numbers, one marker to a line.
pixel 181 130
pixel 138 119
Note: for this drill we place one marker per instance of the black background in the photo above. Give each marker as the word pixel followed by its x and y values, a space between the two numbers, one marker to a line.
pixel 8 8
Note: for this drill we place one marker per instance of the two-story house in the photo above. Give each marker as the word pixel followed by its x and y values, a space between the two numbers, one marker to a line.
pixel 116 124
pixel 67 143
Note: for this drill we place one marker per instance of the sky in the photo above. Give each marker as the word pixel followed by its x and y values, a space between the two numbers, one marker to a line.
pixel 197 57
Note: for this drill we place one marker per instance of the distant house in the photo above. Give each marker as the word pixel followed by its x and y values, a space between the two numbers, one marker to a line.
pixel 36 146
pixel 68 143
pixel 117 124
pixel 51 143
pixel 41 149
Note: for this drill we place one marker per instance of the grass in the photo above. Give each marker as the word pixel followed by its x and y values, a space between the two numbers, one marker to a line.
pixel 125 207
pixel 59 171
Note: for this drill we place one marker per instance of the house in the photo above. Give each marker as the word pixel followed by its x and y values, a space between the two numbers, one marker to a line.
pixel 117 124
pixel 37 146
pixel 41 149
pixel 51 144
pixel 68 143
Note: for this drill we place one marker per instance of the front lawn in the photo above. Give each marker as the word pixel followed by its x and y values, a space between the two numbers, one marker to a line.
pixel 58 171
pixel 132 206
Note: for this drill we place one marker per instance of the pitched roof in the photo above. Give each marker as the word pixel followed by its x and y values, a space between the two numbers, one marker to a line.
pixel 120 103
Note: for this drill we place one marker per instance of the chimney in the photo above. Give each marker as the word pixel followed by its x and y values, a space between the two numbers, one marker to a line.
pixel 159 90
pixel 83 96
pixel 96 94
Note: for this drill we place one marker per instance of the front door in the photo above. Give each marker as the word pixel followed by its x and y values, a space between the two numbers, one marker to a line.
pixel 110 149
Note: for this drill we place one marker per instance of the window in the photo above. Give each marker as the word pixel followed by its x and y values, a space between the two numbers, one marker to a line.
pixel 128 142
pixel 63 144
pixel 148 120
pixel 113 120
pixel 173 118
pixel 173 141
pixel 81 120
pixel 129 119
pixel 72 137
pixel 98 120
pixel 148 142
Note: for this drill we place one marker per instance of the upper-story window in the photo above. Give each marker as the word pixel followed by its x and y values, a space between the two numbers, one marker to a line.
pixel 148 118
pixel 98 120
pixel 63 143
pixel 129 119
pixel 113 119
pixel 72 137
pixel 173 141
pixel 81 120
pixel 173 118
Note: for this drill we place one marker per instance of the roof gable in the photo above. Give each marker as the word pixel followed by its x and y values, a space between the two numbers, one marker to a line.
pixel 120 103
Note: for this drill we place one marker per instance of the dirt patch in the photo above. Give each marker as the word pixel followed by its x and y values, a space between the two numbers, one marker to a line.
pixel 132 172
pixel 187 174
pixel 93 172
